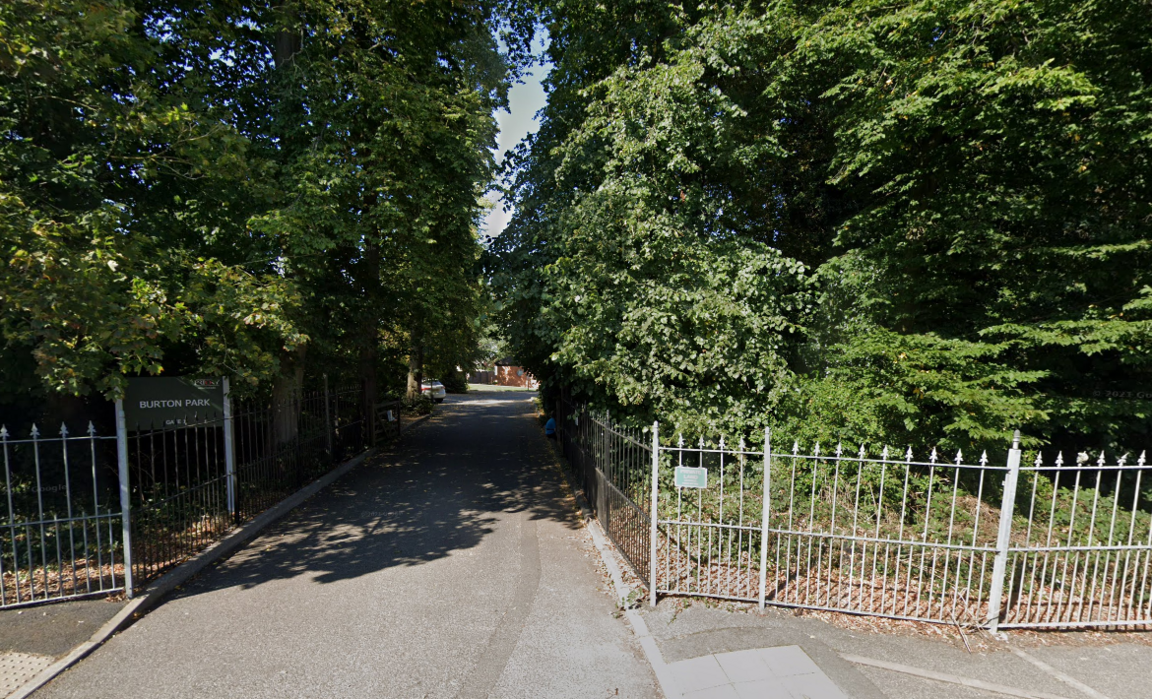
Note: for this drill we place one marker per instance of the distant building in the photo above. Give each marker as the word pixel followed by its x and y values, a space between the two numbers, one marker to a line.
pixel 506 372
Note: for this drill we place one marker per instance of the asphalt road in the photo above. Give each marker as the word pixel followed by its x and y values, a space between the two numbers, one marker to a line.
pixel 451 567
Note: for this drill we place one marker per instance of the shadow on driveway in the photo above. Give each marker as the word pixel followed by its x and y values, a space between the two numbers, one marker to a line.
pixel 440 490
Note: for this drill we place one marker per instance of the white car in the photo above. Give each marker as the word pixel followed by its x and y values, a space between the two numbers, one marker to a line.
pixel 434 390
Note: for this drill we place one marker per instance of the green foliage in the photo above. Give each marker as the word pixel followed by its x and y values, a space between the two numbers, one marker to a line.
pixel 218 189
pixel 921 222
pixel 108 156
pixel 454 382
pixel 419 405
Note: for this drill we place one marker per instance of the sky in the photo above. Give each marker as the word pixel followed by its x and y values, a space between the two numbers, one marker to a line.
pixel 516 122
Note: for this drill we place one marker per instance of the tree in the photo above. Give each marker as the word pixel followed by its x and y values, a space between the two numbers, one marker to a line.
pixel 957 191
pixel 118 182
pixel 241 188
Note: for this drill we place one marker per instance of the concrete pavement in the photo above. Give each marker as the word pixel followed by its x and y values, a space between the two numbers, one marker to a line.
pixel 452 566
pixel 33 638
pixel 1093 666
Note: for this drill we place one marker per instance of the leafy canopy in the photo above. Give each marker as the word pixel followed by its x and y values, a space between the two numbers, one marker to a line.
pixel 922 221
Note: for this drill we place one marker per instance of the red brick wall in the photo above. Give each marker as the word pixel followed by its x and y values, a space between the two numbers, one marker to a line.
pixel 515 376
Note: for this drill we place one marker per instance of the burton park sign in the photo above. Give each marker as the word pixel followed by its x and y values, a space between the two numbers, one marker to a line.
pixel 154 402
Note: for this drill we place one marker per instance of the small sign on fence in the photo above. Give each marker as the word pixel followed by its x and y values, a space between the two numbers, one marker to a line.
pixel 691 477
pixel 154 402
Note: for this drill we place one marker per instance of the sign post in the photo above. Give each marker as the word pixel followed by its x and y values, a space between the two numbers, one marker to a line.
pixel 125 495
pixel 766 506
pixel 1004 535
pixel 229 452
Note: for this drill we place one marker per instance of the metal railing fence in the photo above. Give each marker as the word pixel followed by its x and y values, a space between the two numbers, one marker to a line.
pixel 1080 548
pixel 613 466
pixel 181 498
pixel 61 533
pixel 69 502
pixel 884 535
pixel 710 537
pixel 178 490
pixel 947 540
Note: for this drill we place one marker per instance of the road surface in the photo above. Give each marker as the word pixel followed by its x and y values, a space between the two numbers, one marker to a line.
pixel 450 566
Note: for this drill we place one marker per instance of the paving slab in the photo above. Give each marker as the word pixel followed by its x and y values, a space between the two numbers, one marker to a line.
pixel 761 673
pixel 18 668
pixel 1115 671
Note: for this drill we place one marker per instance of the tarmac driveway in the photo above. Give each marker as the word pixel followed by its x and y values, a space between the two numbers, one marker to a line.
pixel 452 566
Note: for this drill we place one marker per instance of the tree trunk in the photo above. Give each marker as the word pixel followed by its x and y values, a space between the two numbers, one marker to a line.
pixel 286 386
pixel 369 356
pixel 415 371
pixel 286 397
pixel 288 44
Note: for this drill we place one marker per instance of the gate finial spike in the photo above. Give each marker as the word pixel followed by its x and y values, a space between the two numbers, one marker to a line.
pixel 681 441
pixel 1140 461
pixel 1100 461
pixel 1123 457
pixel 984 458
pixel 959 457
pixel 932 457
pixel 721 442
pixel 816 451
pixel 908 454
pixel 35 431
pixel 741 444
pixel 3 431
pixel 884 454
pixel 795 448
pixel 701 444
pixel 63 430
pixel 1039 460
pixel 862 452
pixel 839 450
pixel 1059 458
pixel 91 429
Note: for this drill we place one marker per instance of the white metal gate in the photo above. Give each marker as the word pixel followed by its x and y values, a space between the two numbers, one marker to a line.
pixel 94 514
pixel 62 532
pixel 932 539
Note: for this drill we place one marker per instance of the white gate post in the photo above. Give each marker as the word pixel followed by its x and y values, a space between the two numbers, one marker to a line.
pixel 229 452
pixel 125 495
pixel 1004 535
pixel 655 503
pixel 764 514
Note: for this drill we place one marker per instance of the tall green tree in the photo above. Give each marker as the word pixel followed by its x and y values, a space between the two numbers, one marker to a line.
pixel 241 188
pixel 123 195
pixel 960 190
pixel 384 112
